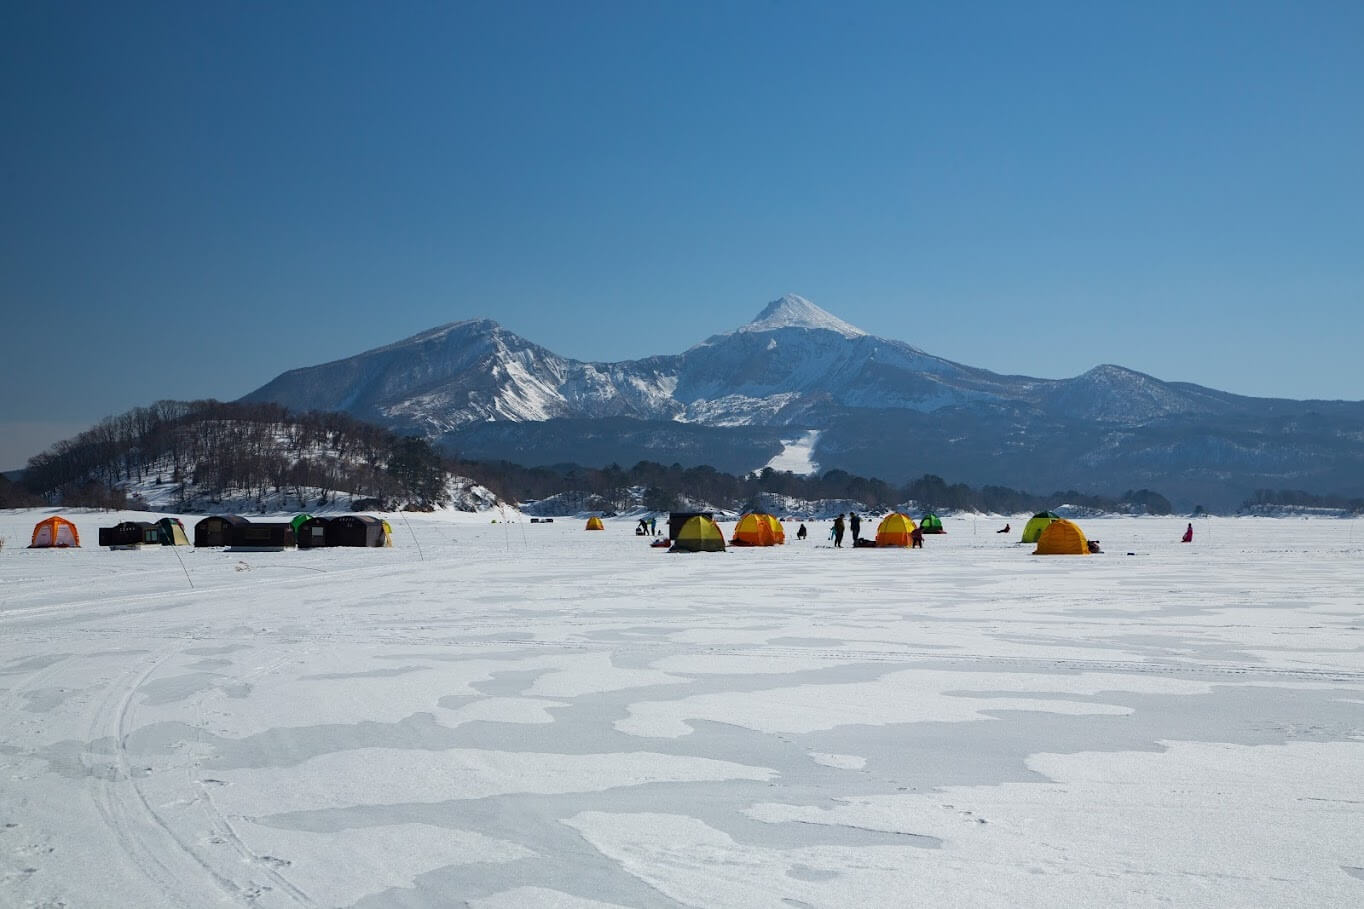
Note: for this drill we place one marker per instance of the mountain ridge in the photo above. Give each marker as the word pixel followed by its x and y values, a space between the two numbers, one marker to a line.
pixel 797 366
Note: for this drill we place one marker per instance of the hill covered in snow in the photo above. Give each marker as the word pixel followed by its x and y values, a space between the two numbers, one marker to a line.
pixel 211 456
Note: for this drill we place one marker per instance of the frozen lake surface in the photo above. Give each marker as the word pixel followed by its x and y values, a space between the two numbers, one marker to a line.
pixel 522 716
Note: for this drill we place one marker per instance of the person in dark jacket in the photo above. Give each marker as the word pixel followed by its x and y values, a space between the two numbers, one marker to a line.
pixel 838 530
pixel 855 525
pixel 800 534
pixel 916 538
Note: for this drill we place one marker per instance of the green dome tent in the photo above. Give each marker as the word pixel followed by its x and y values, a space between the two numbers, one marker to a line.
pixel 297 521
pixel 931 523
pixel 1037 524
pixel 170 532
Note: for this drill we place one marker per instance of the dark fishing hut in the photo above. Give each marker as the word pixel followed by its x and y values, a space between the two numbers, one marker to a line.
pixel 128 535
pixel 312 533
pixel 216 530
pixel 356 530
pixel 262 537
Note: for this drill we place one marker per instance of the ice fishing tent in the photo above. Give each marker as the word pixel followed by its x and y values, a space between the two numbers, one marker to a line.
pixel 312 533
pixel 894 530
pixel 594 523
pixel 129 535
pixel 757 529
pixel 169 532
pixel 1038 523
pixel 931 523
pixel 54 533
pixel 297 521
pixel 1062 537
pixel 678 519
pixel 356 530
pixel 261 537
pixel 699 534
pixel 216 529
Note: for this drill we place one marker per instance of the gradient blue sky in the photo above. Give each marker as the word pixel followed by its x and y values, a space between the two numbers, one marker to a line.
pixel 197 197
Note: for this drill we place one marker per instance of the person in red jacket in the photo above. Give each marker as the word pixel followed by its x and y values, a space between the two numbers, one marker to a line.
pixel 1188 535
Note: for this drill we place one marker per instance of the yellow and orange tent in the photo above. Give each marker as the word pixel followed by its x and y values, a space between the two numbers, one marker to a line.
pixel 757 529
pixel 894 530
pixel 54 532
pixel 594 523
pixel 1062 537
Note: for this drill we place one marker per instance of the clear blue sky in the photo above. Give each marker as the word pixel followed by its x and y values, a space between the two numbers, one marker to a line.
pixel 198 196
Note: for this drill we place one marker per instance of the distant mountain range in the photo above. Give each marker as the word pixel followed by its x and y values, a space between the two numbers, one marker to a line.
pixel 880 408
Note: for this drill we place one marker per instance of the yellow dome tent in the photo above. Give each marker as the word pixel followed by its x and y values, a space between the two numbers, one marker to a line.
pixel 894 530
pixel 55 532
pixel 1036 524
pixel 594 523
pixel 1062 537
pixel 699 534
pixel 758 529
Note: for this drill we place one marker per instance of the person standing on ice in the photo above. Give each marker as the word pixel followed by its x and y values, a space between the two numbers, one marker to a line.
pixel 1188 535
pixel 838 530
pixel 855 525
pixel 653 525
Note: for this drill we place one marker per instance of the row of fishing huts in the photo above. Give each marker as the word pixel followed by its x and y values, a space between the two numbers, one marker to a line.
pixel 229 530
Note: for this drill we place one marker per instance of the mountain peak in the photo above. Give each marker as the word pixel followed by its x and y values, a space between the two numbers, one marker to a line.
pixel 792 311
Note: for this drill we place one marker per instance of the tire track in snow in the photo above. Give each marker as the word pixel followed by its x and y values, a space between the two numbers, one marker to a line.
pixel 166 859
pixel 217 820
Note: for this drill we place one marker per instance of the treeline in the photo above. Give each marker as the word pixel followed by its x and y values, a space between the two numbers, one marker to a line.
pixel 664 487
pixel 210 450
pixel 1270 499
pixel 14 495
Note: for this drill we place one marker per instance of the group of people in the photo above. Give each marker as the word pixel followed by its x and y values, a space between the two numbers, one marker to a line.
pixel 647 527
pixel 836 533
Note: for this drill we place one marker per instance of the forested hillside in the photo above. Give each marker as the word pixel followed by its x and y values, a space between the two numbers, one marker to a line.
pixel 209 455
pixel 205 452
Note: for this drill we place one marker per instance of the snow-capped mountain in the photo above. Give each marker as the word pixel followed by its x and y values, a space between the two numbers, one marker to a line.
pixel 491 393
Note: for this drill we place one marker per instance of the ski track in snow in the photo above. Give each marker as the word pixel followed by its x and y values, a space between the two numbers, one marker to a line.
pixel 534 716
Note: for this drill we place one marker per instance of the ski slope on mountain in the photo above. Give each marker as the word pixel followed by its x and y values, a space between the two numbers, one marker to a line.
pixel 502 714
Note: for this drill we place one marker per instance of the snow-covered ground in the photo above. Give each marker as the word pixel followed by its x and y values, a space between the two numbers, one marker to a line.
pixel 517 715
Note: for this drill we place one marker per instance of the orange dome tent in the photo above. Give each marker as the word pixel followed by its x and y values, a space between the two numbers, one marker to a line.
pixel 894 530
pixel 1062 537
pixel 55 532
pixel 757 529
pixel 594 523
pixel 778 532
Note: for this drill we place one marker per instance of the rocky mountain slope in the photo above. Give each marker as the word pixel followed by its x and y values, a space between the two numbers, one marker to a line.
pixel 883 407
